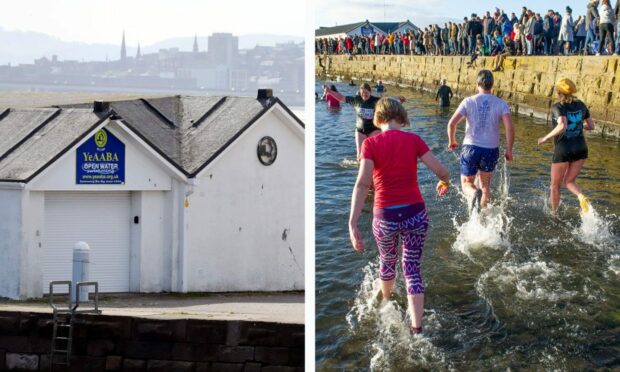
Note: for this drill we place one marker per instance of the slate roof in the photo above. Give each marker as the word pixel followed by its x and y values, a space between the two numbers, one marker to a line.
pixel 386 27
pixel 343 29
pixel 187 131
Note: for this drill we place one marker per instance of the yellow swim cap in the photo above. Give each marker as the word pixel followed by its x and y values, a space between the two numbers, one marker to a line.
pixel 566 87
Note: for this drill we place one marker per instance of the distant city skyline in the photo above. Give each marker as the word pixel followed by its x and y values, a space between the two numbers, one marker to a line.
pixel 44 45
pixel 423 13
pixel 151 21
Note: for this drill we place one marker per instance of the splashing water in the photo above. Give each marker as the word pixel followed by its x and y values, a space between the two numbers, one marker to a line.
pixel 394 347
pixel 593 229
pixel 367 296
pixel 349 163
pixel 528 281
pixel 487 228
pixel 386 324
pixel 519 289
pixel 614 264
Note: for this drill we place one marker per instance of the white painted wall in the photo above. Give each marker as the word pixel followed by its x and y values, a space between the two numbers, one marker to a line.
pixel 240 210
pixel 156 255
pixel 142 170
pixel 10 241
pixel 33 203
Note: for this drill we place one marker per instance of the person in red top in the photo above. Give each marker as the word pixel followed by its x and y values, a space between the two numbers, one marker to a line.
pixel 390 161
pixel 332 102
pixel 349 43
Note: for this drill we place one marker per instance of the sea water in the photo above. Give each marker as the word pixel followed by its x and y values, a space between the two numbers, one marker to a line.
pixel 511 287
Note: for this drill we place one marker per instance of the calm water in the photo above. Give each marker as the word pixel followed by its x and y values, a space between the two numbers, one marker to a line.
pixel 513 288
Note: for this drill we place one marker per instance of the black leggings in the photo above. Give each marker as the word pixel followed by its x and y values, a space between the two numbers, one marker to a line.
pixel 607 30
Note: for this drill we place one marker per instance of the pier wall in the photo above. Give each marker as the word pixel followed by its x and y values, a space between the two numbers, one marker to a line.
pixel 526 83
pixel 121 343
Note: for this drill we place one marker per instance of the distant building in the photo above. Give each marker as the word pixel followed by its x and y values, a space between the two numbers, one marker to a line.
pixel 123 49
pixel 176 194
pixel 224 68
pixel 365 28
pixel 223 48
pixel 195 48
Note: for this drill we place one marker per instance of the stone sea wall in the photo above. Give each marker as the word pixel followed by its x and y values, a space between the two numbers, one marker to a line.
pixel 526 83
pixel 118 343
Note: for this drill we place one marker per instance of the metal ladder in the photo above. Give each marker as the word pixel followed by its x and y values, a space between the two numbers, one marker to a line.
pixel 64 320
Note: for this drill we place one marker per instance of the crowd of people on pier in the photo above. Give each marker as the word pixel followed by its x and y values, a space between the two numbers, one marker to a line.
pixel 497 33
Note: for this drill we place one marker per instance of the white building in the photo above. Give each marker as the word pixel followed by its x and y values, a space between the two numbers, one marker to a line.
pixel 365 28
pixel 172 194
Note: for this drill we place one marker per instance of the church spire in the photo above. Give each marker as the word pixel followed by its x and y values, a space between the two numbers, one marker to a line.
pixel 195 44
pixel 123 49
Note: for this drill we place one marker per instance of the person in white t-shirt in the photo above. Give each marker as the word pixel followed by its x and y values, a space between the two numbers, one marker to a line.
pixel 480 154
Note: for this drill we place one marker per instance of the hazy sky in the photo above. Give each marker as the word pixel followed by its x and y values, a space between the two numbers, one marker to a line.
pixel 424 12
pixel 149 21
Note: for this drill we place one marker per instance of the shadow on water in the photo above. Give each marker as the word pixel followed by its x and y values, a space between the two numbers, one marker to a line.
pixel 511 287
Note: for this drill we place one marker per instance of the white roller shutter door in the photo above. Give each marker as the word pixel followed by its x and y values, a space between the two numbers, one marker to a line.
pixel 102 219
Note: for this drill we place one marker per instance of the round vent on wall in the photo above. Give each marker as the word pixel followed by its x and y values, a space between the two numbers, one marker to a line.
pixel 267 150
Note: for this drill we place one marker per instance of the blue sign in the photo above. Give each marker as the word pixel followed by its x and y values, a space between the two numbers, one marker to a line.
pixel 100 160
pixel 367 30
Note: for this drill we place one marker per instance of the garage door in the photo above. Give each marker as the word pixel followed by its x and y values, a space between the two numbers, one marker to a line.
pixel 100 219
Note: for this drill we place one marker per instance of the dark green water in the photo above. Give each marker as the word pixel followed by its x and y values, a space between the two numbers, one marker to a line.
pixel 513 289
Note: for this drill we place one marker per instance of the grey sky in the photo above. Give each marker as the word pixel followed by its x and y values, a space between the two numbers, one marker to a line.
pixel 149 21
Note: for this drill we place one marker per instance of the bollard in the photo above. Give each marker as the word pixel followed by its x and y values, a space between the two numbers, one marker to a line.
pixel 81 261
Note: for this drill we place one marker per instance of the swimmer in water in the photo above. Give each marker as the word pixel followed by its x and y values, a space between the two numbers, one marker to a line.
pixel 389 161
pixel 364 103
pixel 380 88
pixel 571 151
pixel 332 103
pixel 483 112
pixel 445 93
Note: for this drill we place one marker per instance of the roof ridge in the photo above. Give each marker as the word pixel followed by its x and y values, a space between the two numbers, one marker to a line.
pixel 29 135
pixel 270 103
pixel 156 148
pixel 158 113
pixel 209 112
pixel 5 113
pixel 72 144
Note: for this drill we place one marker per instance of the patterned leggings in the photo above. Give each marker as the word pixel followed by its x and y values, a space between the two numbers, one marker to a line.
pixel 410 223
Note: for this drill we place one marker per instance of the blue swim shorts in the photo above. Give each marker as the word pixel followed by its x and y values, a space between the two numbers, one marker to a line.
pixel 474 158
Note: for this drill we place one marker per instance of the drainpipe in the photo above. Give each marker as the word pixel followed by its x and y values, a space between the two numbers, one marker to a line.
pixel 188 189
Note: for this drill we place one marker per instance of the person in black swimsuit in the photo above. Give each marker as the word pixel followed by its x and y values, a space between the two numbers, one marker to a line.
pixel 571 150
pixel 445 93
pixel 364 103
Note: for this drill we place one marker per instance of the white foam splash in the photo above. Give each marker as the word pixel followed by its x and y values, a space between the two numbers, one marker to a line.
pixel 528 281
pixel 395 341
pixel 594 229
pixel 614 264
pixel 390 342
pixel 367 296
pixel 489 228
pixel 349 163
